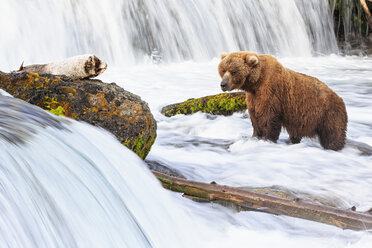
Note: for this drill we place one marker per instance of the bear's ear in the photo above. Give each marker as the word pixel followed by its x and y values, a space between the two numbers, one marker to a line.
pixel 252 60
pixel 223 55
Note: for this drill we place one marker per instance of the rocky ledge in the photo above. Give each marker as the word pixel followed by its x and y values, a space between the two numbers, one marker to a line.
pixel 105 105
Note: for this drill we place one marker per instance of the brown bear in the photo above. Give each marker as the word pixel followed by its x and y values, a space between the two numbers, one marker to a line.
pixel 279 97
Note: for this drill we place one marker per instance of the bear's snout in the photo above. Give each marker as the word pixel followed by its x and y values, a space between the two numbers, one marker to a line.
pixel 225 83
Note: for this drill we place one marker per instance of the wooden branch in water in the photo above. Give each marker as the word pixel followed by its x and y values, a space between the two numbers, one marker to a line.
pixel 78 67
pixel 247 200
pixel 366 11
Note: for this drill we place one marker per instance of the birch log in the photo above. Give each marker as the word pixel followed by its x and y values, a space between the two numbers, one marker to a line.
pixel 78 67
pixel 247 200
pixel 366 11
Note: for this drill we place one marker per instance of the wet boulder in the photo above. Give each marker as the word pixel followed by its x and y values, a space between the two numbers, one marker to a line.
pixel 105 105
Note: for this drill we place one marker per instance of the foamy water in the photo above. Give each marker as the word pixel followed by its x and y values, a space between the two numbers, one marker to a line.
pixel 60 187
pixel 217 148
pixel 72 191
pixel 83 194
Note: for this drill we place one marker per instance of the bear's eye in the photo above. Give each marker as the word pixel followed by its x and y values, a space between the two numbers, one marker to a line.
pixel 233 73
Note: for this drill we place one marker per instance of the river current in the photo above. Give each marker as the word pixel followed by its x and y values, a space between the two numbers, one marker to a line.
pixel 60 187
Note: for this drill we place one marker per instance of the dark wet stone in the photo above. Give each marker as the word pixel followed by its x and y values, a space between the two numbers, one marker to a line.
pixel 161 168
pixel 364 149
pixel 19 119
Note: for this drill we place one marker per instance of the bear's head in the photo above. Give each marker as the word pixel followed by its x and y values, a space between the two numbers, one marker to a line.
pixel 239 70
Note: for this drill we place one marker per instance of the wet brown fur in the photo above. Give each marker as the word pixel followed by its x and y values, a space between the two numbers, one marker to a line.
pixel 279 97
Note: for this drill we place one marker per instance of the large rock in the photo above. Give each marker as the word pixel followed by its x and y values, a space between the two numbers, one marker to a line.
pixel 105 105
pixel 221 104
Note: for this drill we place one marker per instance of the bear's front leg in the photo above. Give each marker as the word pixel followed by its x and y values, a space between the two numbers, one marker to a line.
pixel 256 131
pixel 268 114
pixel 252 114
pixel 270 126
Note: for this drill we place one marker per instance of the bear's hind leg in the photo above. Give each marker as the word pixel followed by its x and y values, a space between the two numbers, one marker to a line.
pixel 271 129
pixel 327 141
pixel 332 138
pixel 332 131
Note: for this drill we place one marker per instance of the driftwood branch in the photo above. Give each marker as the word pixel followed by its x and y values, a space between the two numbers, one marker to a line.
pixel 366 11
pixel 78 67
pixel 247 200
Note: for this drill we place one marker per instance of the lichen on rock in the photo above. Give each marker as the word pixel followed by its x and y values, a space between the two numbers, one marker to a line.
pixel 105 105
pixel 221 104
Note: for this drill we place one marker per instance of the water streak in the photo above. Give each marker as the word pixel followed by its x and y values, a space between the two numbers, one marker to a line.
pixel 60 187
pixel 126 31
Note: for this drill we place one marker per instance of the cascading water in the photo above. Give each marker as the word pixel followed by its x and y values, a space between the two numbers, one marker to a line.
pixel 65 184
pixel 125 31
pixel 61 187
pixel 68 184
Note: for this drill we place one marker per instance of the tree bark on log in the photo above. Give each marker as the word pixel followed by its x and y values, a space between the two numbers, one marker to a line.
pixel 78 67
pixel 366 11
pixel 246 200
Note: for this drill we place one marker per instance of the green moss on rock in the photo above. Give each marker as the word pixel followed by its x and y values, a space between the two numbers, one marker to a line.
pixel 60 111
pixel 221 104
pixel 141 145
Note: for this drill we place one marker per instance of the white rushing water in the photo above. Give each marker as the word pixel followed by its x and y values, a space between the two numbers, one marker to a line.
pixel 61 187
pixel 215 148
pixel 125 31
pixel 68 184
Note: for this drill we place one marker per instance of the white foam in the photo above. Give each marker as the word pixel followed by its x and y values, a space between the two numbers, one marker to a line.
pixel 207 148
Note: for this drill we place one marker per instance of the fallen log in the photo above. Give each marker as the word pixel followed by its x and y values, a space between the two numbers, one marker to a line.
pixel 78 67
pixel 221 104
pixel 246 200
pixel 366 11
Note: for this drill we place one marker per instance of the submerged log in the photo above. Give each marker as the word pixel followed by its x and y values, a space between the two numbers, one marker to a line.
pixel 221 104
pixel 246 200
pixel 78 67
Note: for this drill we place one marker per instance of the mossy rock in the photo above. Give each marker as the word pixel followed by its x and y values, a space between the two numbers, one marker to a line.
pixel 105 105
pixel 221 104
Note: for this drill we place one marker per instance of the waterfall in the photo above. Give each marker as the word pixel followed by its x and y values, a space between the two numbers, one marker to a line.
pixel 129 31
pixel 68 184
